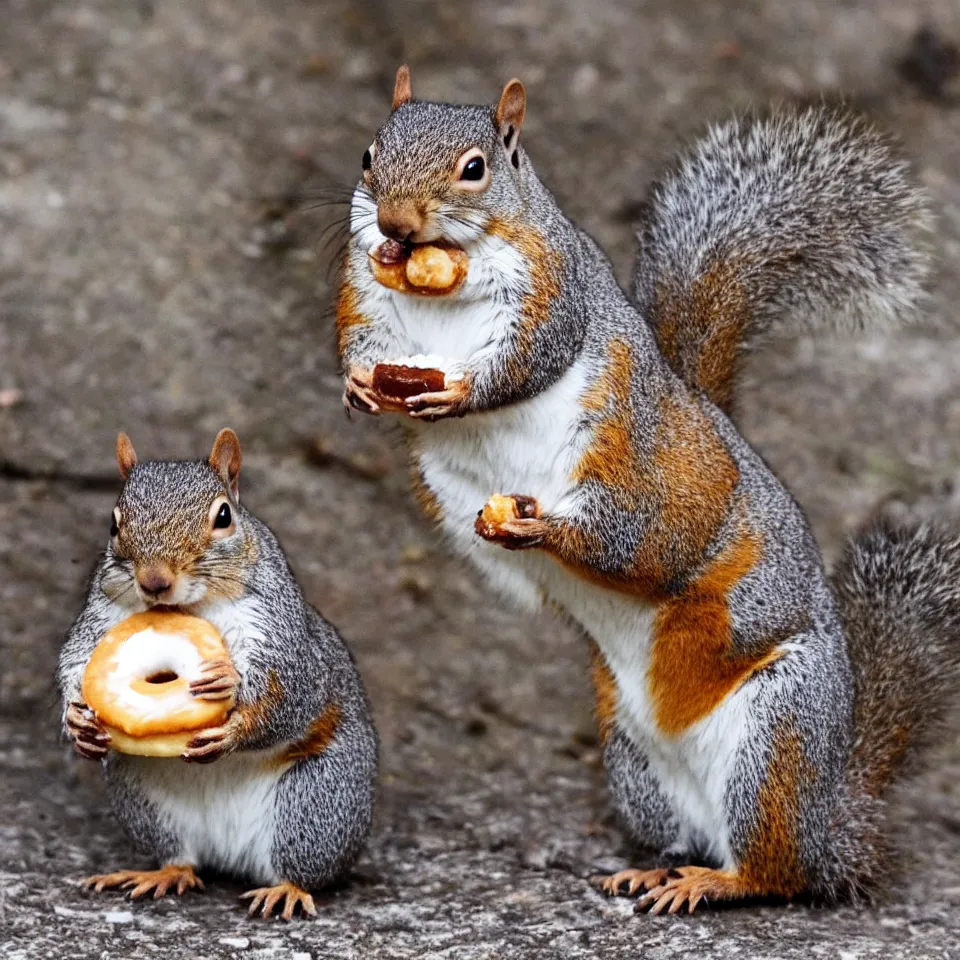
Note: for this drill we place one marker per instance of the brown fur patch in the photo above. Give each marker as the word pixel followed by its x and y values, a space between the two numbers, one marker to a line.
pixel 348 311
pixel 252 719
pixel 772 862
pixel 693 666
pixel 318 737
pixel 546 269
pixel 685 485
pixel 606 694
pixel 611 459
pixel 700 331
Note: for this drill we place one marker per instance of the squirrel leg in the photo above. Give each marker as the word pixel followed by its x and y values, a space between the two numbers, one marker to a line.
pixel 324 804
pixel 513 521
pixel 358 392
pixel 451 402
pixel 174 876
pixel 688 886
pixel 265 899
pixel 90 740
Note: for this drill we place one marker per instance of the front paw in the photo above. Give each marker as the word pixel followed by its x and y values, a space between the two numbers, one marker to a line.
pixel 358 391
pixel 211 744
pixel 513 521
pixel 218 680
pixel 452 401
pixel 89 739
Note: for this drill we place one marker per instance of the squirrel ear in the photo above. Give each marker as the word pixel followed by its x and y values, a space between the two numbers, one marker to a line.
pixel 510 111
pixel 225 459
pixel 402 92
pixel 126 455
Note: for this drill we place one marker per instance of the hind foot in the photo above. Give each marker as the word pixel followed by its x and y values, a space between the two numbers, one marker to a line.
pixel 140 882
pixel 688 886
pixel 270 897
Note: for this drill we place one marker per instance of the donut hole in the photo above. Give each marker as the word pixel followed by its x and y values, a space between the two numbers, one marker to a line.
pixel 162 676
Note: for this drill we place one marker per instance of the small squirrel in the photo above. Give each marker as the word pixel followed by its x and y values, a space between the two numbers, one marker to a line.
pixel 282 793
pixel 752 714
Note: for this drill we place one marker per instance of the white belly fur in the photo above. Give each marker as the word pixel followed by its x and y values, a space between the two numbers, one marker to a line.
pixel 222 813
pixel 531 448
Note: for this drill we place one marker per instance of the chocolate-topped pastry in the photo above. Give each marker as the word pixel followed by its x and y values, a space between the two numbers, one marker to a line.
pixel 400 381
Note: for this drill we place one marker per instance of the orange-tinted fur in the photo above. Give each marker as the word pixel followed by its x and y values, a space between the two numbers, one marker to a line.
pixel 348 311
pixel 605 691
pixel 318 737
pixel 772 861
pixel 693 666
pixel 546 269
pixel 708 324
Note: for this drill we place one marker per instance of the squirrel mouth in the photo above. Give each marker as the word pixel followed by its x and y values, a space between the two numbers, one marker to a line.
pixel 433 268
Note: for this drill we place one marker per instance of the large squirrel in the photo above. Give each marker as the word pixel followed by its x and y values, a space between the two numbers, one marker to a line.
pixel 752 713
pixel 282 792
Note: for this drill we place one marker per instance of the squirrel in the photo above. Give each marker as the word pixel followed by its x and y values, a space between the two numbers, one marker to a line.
pixel 752 712
pixel 287 797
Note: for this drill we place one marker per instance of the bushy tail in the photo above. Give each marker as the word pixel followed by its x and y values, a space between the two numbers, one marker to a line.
pixel 899 595
pixel 805 218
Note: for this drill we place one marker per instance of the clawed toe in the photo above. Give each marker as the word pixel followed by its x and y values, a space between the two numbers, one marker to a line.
pixel 139 883
pixel 265 899
pixel 629 882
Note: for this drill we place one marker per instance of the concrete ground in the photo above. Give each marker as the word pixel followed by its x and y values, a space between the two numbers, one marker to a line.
pixel 163 269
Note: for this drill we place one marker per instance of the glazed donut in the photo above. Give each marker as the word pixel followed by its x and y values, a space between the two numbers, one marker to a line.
pixel 137 682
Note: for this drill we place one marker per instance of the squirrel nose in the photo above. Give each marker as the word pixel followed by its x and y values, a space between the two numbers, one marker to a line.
pixel 399 220
pixel 155 580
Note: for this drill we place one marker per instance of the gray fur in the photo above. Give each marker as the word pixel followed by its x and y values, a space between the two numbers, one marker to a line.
pixel 163 504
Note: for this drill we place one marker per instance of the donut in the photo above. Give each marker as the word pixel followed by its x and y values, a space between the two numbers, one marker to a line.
pixel 426 268
pixel 137 682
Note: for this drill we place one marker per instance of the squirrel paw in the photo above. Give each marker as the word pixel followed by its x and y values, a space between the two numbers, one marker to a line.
pixel 513 521
pixel 627 883
pixel 270 897
pixel 218 681
pixel 90 740
pixel 688 886
pixel 451 402
pixel 358 392
pixel 211 744
pixel 174 876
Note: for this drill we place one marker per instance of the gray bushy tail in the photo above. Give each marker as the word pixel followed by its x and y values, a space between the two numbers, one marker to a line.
pixel 803 219
pixel 898 590
pixel 899 595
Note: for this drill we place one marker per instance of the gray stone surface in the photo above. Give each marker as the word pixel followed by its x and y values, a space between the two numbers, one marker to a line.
pixel 162 271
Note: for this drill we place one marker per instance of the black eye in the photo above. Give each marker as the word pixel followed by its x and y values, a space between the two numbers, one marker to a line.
pixel 114 529
pixel 223 519
pixel 474 169
pixel 366 160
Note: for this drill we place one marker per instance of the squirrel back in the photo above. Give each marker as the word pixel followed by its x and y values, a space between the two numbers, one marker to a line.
pixel 805 219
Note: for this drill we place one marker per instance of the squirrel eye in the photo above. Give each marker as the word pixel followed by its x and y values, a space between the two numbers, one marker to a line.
pixel 367 158
pixel 474 169
pixel 114 525
pixel 223 519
